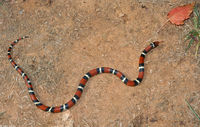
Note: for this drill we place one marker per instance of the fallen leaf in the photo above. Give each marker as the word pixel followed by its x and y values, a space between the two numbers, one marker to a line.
pixel 181 13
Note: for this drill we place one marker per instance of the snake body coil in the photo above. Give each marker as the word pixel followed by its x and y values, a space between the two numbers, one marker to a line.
pixel 83 81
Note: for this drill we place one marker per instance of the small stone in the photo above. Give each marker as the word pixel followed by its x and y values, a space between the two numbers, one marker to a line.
pixel 21 12
pixel 121 14
pixel 182 123
pixel 98 10
pixel 153 120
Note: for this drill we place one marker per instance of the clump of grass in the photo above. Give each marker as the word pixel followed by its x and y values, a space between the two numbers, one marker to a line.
pixel 1 2
pixel 194 34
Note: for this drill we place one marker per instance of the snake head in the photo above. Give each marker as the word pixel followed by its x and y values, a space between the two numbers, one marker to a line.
pixel 156 43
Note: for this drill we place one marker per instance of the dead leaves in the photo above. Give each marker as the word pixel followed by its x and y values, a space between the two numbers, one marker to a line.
pixel 180 13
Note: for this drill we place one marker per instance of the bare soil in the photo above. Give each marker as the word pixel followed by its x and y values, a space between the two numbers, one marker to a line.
pixel 70 37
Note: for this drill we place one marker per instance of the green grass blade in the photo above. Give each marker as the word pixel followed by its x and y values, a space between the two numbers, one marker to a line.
pixel 194 33
pixel 188 37
pixel 196 18
pixel 197 49
pixel 196 11
pixel 196 22
pixel 189 45
pixel 193 110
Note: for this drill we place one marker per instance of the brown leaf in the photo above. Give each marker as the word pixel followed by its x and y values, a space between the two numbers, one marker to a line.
pixel 180 13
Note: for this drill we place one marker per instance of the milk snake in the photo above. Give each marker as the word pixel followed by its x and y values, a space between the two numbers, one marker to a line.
pixel 83 81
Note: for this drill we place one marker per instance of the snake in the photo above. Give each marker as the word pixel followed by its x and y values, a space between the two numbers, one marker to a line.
pixel 83 81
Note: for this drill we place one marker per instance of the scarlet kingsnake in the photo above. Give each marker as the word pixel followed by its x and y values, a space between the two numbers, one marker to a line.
pixel 83 81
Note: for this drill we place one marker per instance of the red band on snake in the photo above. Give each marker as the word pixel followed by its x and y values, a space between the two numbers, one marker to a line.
pixel 83 81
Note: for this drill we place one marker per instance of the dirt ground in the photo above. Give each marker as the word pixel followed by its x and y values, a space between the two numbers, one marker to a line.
pixel 70 37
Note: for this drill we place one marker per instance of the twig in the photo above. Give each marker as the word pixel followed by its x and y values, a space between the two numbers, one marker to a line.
pixel 162 26
pixel 154 35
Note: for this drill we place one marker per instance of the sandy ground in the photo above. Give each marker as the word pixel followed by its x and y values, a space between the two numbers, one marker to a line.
pixel 70 37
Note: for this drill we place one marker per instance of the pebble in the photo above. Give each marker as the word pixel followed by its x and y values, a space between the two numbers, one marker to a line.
pixel 98 10
pixel 121 14
pixel 153 120
pixel 21 12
